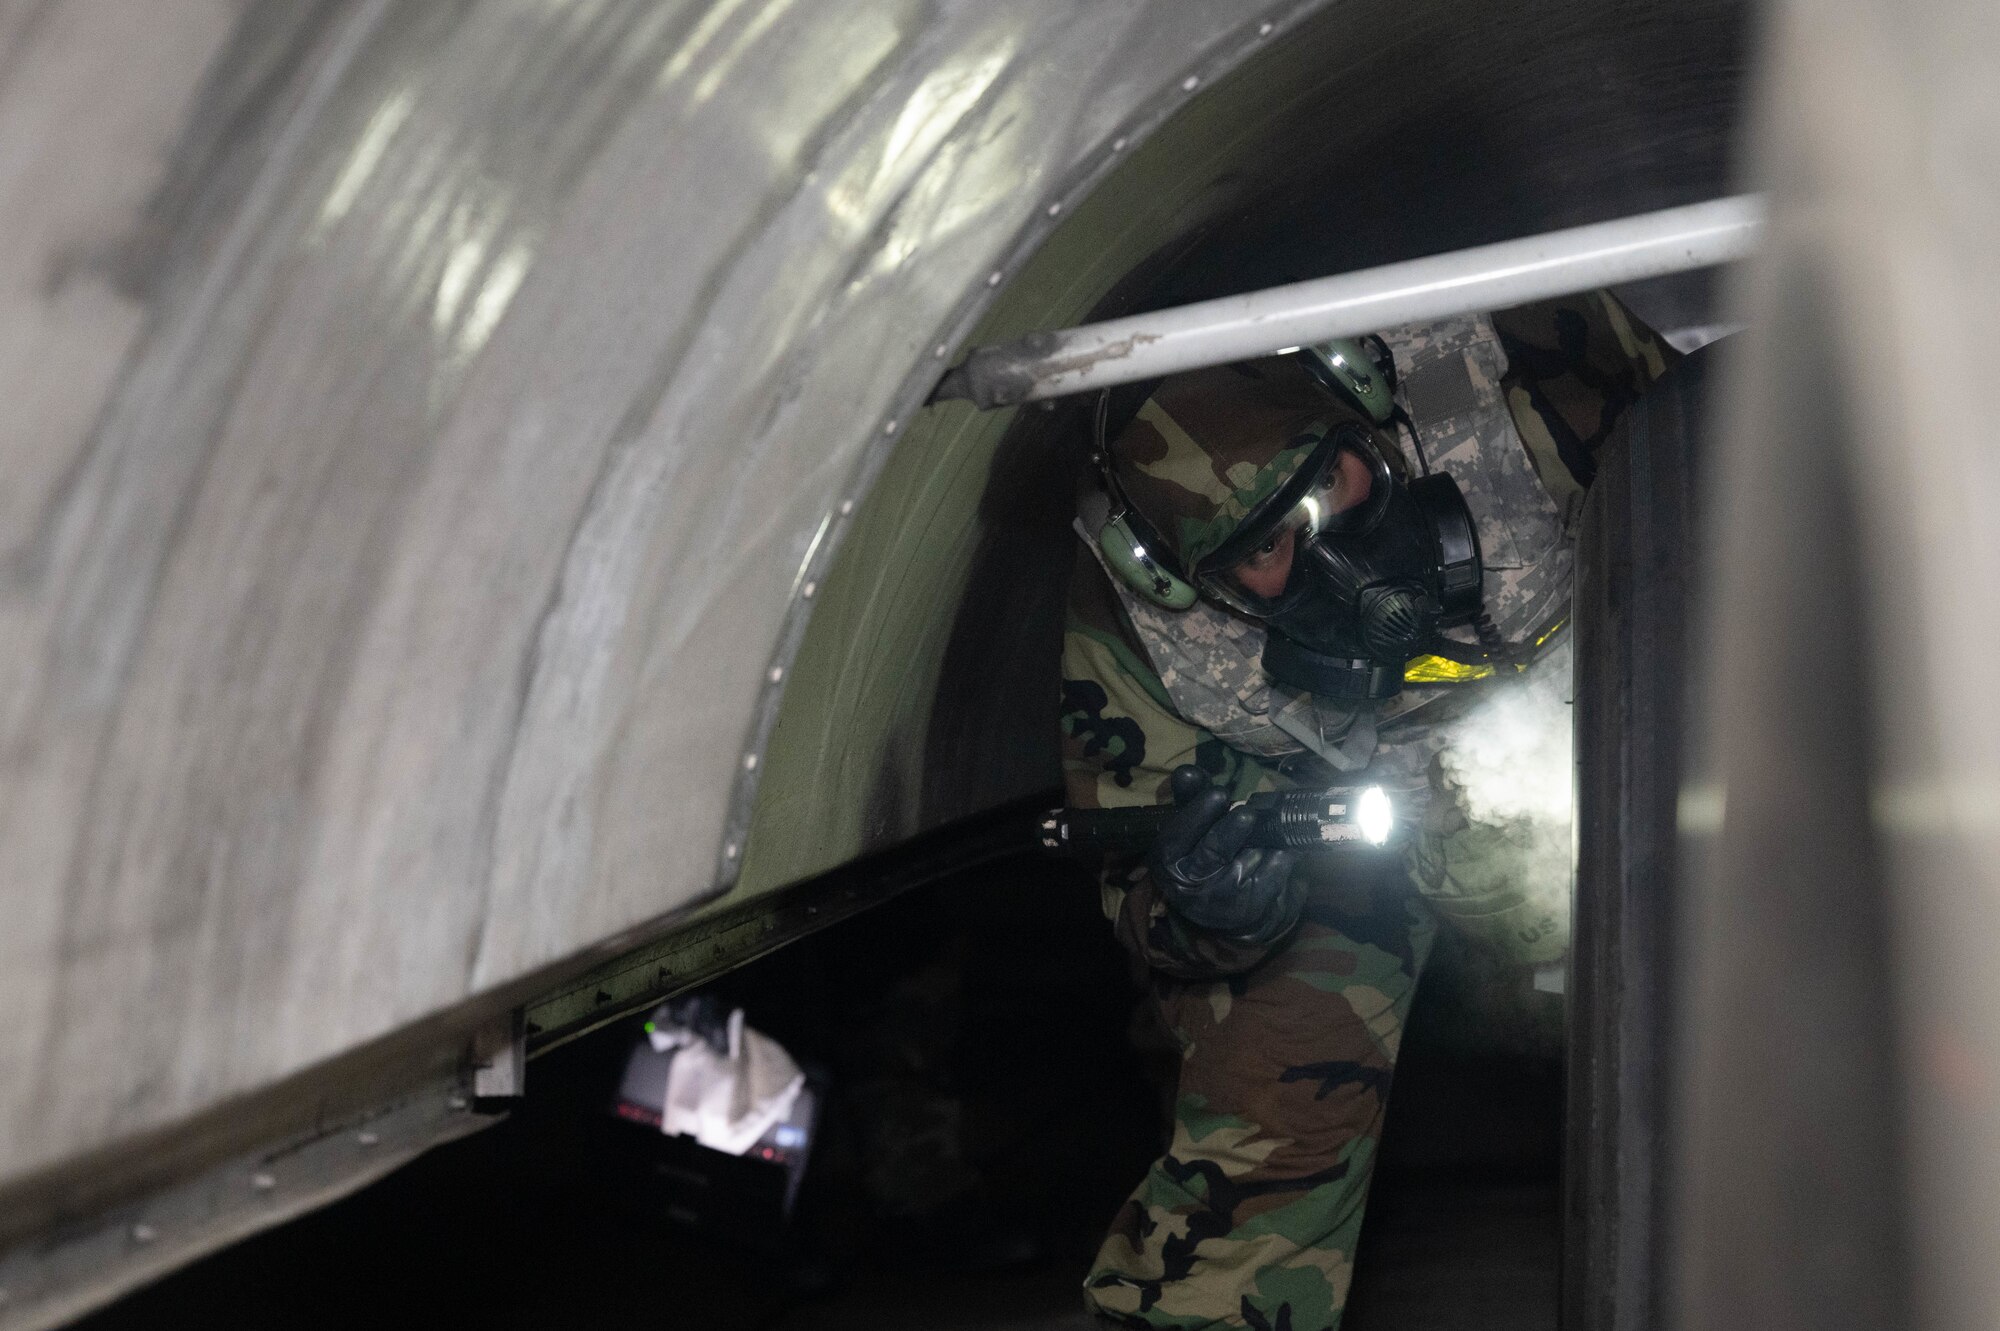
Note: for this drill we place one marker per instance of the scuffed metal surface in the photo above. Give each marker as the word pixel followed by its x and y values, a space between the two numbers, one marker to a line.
pixel 466 411
pixel 396 613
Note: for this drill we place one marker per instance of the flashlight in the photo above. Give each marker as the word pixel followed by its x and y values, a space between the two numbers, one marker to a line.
pixel 1307 819
pixel 1345 819
pixel 1375 816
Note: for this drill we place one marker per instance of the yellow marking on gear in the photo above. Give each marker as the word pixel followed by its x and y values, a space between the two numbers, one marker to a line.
pixel 1437 670
pixel 1185 464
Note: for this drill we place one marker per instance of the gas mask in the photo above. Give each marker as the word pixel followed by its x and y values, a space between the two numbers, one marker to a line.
pixel 1353 570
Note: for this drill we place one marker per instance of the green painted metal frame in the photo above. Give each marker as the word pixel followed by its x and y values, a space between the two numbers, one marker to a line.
pixel 723 940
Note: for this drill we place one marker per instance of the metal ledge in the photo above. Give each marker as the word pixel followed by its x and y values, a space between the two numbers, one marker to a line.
pixel 697 954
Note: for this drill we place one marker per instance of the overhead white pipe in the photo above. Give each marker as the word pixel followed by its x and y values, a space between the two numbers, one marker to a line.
pixel 1488 277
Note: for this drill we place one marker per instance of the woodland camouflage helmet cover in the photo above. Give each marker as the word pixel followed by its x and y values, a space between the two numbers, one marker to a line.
pixel 1210 446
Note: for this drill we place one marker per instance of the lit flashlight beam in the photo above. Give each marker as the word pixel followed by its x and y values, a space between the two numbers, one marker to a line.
pixel 1377 816
pixel 1234 328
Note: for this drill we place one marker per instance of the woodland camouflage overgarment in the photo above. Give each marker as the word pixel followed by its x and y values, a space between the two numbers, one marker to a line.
pixel 1250 1218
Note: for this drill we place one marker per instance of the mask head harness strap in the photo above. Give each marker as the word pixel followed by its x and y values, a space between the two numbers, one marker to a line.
pixel 1132 546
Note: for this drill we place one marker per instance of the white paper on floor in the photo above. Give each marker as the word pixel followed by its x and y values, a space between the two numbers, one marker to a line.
pixel 725 1098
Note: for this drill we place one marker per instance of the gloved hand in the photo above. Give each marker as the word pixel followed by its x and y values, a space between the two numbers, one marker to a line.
pixel 1208 875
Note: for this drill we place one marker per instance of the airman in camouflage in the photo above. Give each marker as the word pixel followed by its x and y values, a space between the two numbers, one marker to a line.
pixel 1287 1047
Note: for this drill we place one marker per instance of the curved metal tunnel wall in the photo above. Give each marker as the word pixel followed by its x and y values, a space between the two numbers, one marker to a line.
pixel 454 441
pixel 924 687
pixel 434 405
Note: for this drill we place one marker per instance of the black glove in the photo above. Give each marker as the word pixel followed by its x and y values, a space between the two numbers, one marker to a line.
pixel 1207 874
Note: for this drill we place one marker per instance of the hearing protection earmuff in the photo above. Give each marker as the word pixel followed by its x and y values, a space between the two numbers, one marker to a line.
pixel 1132 549
pixel 1348 366
pixel 1134 559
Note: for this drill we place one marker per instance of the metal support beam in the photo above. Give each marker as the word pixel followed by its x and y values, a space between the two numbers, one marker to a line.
pixel 1488 277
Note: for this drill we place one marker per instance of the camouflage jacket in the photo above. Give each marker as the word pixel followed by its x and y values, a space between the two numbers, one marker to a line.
pixel 1515 409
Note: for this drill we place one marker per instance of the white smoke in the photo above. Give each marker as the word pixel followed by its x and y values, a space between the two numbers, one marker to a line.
pixel 1512 760
pixel 1512 757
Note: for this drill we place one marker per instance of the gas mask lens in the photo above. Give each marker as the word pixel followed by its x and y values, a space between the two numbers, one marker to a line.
pixel 1343 487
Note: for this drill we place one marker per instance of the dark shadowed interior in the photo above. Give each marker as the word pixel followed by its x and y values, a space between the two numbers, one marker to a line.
pixel 994 1092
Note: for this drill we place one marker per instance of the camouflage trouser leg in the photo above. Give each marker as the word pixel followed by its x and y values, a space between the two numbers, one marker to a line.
pixel 1251 1217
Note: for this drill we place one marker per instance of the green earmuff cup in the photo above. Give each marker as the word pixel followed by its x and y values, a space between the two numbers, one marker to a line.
pixel 1346 365
pixel 1141 571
